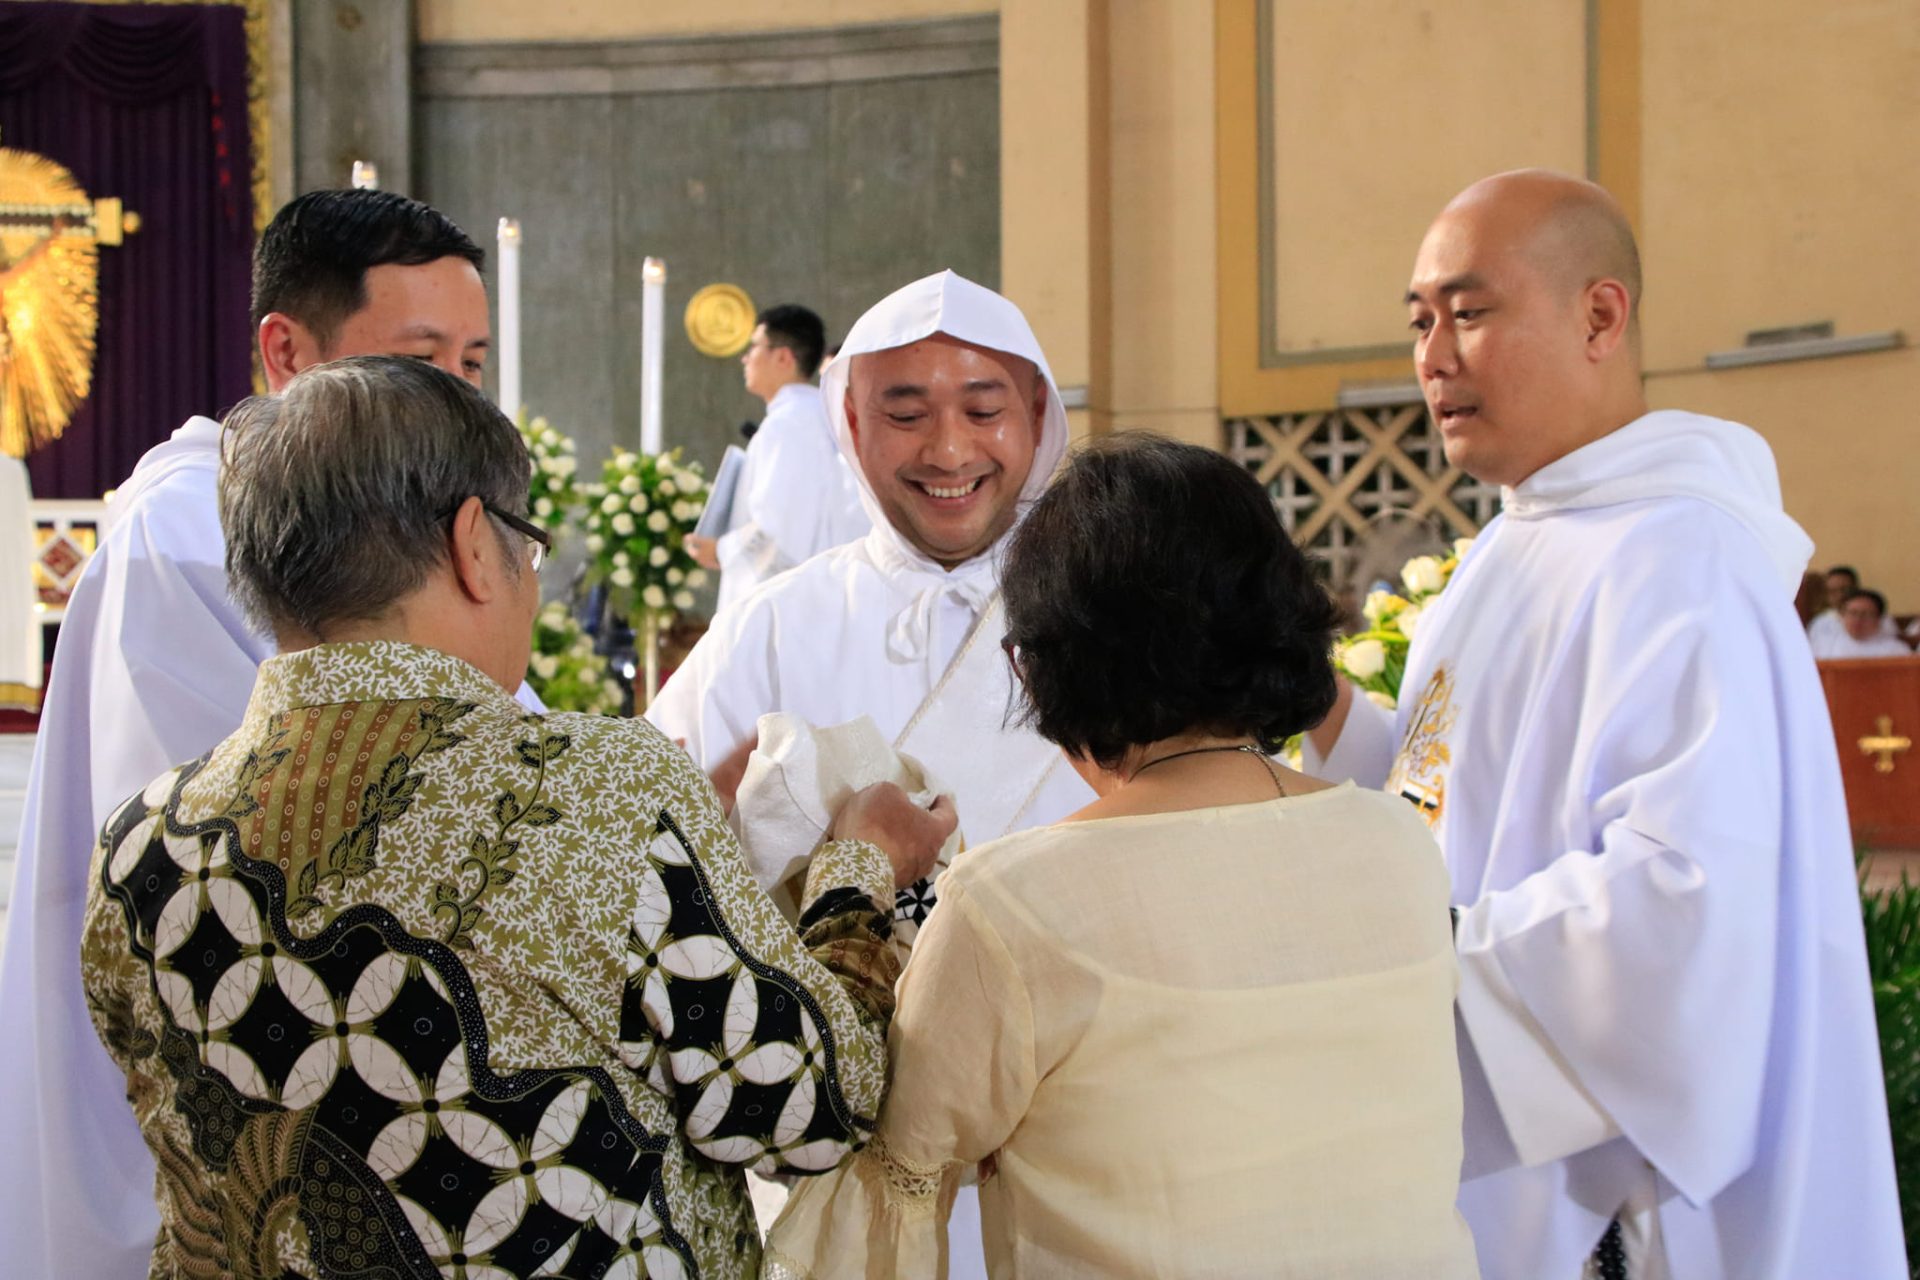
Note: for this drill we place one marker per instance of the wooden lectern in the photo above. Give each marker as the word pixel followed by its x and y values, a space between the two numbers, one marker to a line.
pixel 1875 703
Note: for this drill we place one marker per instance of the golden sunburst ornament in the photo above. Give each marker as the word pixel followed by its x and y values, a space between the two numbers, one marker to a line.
pixel 50 234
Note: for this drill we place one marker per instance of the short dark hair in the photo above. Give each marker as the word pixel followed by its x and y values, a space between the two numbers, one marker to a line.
pixel 799 331
pixel 313 258
pixel 1852 575
pixel 1152 592
pixel 1879 601
pixel 334 494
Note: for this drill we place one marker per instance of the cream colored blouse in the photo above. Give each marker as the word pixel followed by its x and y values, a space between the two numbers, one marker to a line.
pixel 1214 1043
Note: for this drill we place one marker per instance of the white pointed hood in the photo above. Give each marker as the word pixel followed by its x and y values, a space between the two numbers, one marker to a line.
pixel 953 305
pixel 1673 454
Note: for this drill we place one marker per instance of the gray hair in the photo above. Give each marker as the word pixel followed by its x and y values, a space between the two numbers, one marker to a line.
pixel 335 494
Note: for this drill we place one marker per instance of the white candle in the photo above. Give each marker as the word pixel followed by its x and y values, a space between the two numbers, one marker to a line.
pixel 366 177
pixel 509 335
pixel 653 303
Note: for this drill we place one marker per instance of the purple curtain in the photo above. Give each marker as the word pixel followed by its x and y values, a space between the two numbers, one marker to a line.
pixel 148 103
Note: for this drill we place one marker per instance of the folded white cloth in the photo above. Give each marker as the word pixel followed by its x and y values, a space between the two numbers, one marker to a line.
pixel 796 782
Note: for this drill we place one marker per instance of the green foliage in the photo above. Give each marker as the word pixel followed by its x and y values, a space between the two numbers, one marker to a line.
pixel 1892 921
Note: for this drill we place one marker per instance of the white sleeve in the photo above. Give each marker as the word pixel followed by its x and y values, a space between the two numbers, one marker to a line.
pixel 1365 749
pixel 714 702
pixel 1627 987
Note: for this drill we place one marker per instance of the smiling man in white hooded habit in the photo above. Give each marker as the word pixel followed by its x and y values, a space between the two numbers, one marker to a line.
pixel 1612 722
pixel 943 403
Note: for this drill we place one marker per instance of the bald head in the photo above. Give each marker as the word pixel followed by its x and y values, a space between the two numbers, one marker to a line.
pixel 1572 229
pixel 1524 303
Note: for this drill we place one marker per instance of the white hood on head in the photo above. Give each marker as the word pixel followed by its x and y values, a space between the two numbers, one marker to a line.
pixel 949 304
pixel 1673 454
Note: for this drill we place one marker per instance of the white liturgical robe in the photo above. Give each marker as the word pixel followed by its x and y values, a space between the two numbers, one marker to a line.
pixel 1839 643
pixel 876 628
pixel 797 496
pixel 154 667
pixel 1614 725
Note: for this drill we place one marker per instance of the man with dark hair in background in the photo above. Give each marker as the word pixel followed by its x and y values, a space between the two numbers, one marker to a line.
pixel 155 665
pixel 796 497
pixel 1829 629
pixel 1863 630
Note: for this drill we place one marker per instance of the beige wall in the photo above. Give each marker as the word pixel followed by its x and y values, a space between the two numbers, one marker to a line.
pixel 632 19
pixel 1163 329
pixel 1362 152
pixel 1779 188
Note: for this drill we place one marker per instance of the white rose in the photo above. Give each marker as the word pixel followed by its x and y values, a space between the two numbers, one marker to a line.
pixel 543 507
pixel 622 558
pixel 581 648
pixel 547 467
pixel 1380 700
pixel 658 557
pixel 637 504
pixel 596 543
pixel 1409 618
pixel 623 524
pixel 683 511
pixel 668 488
pixel 658 522
pixel 629 484
pixel 1422 575
pixel 1461 546
pixel 683 599
pixel 1364 659
pixel 675 577
pixel 1379 604
pixel 696 578
pixel 623 577
pixel 611 503
pixel 548 435
pixel 544 665
pixel 564 466
pixel 654 598
pixel 554 614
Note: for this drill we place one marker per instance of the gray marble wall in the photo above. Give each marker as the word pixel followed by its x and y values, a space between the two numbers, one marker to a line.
pixel 824 168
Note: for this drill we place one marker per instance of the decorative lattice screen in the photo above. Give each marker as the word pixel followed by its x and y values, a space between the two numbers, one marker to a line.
pixel 1335 475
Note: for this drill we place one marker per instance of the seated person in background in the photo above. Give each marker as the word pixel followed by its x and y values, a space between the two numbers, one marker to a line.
pixel 1204 1026
pixel 1828 626
pixel 1863 631
pixel 404 978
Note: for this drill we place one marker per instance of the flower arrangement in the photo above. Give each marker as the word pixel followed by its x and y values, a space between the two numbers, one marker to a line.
pixel 638 519
pixel 565 671
pixel 1376 659
pixel 553 495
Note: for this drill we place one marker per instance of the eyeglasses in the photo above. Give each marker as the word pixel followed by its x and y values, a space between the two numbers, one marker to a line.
pixel 539 541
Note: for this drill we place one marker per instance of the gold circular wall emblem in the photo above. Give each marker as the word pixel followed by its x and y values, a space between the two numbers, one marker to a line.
pixel 720 320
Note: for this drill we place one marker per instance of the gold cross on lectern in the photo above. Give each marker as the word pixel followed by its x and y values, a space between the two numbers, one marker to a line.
pixel 1885 745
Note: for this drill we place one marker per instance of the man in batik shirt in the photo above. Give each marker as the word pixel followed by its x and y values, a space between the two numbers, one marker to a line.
pixel 407 981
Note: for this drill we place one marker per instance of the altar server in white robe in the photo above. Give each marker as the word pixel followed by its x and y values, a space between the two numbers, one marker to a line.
pixel 796 495
pixel 153 667
pixel 1614 726
pixel 943 403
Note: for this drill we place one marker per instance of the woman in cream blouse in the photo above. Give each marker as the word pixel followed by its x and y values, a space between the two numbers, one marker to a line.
pixel 1204 1027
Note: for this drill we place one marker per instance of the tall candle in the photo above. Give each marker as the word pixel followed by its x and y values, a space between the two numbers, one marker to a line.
pixel 509 335
pixel 653 303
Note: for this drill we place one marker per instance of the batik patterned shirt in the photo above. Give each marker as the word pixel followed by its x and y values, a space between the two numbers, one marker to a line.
pixel 408 982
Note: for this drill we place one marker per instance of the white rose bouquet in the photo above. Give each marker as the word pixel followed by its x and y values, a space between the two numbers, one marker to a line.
pixel 638 519
pixel 565 671
pixel 1376 659
pixel 554 496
